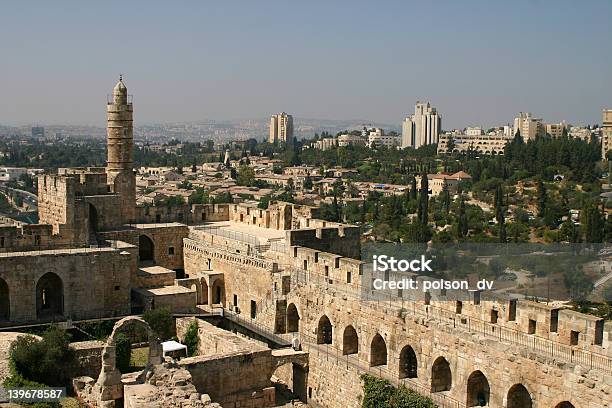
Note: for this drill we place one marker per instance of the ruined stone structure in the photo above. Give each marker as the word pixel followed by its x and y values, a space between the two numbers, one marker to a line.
pixel 286 273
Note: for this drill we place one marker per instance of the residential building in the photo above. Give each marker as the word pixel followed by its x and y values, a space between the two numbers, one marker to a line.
pixel 482 144
pixel 439 182
pixel 12 173
pixel 422 128
pixel 325 143
pixel 606 132
pixel 351 140
pixel 474 131
pixel 528 126
pixel 281 128
pixel 377 138
pixel 556 129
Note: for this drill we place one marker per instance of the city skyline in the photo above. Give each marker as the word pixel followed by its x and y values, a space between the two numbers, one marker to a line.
pixel 222 62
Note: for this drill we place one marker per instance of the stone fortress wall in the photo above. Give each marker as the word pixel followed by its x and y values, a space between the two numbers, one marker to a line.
pixel 517 350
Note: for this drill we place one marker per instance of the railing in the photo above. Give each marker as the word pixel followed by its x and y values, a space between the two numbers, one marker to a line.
pixel 450 322
pixel 227 233
pixel 49 248
pixel 256 327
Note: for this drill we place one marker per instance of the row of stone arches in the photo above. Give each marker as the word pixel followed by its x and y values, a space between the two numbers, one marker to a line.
pixel 49 297
pixel 478 389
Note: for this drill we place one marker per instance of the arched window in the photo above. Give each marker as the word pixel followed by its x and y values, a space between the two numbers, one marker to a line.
pixel 565 404
pixel 378 351
pixel 293 319
pixel 478 390
pixel 5 304
pixel 350 341
pixel 49 296
pixel 146 248
pixel 518 397
pixel 408 364
pixel 324 331
pixel 441 376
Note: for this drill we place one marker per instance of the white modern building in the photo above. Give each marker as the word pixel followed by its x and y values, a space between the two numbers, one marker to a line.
pixel 529 126
pixel 422 128
pixel 378 138
pixel 281 128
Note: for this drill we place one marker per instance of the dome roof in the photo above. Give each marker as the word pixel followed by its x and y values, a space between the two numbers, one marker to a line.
pixel 120 87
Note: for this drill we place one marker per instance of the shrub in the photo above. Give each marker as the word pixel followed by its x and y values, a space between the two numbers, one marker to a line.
pixel 379 393
pixel 49 361
pixel 191 339
pixel 161 322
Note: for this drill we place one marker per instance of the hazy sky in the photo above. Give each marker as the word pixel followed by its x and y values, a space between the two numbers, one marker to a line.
pixel 478 62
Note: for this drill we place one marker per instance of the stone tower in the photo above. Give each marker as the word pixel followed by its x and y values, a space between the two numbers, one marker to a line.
pixel 120 143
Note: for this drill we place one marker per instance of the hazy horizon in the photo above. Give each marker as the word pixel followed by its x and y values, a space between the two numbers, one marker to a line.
pixel 479 63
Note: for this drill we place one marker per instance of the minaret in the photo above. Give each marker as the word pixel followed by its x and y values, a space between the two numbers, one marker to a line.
pixel 120 143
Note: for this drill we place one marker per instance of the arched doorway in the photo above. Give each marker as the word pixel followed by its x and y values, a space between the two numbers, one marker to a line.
pixel 218 292
pixel 49 296
pixel 441 376
pixel 293 319
pixel 565 404
pixel 518 397
pixel 350 341
pixel 324 331
pixel 5 304
pixel 478 390
pixel 378 351
pixel 408 365
pixel 146 249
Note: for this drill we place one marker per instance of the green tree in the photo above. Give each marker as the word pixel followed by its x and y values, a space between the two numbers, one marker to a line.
pixel 593 223
pixel 423 214
pixel 49 361
pixel 245 176
pixel 308 183
pixel 499 213
pixel 462 221
pixel 413 189
pixel 161 322
pixel 191 339
pixel 541 198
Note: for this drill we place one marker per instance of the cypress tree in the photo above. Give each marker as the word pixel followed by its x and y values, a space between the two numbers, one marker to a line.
pixel 423 213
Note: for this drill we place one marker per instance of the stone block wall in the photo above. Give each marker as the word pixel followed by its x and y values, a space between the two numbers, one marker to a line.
pixel 548 381
pixel 95 282
pixel 216 341
pixel 231 377
pixel 341 240
pixel 167 241
pixel 89 358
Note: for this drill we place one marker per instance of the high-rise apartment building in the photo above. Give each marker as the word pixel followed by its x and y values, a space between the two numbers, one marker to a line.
pixel 606 132
pixel 422 128
pixel 38 131
pixel 528 126
pixel 281 128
